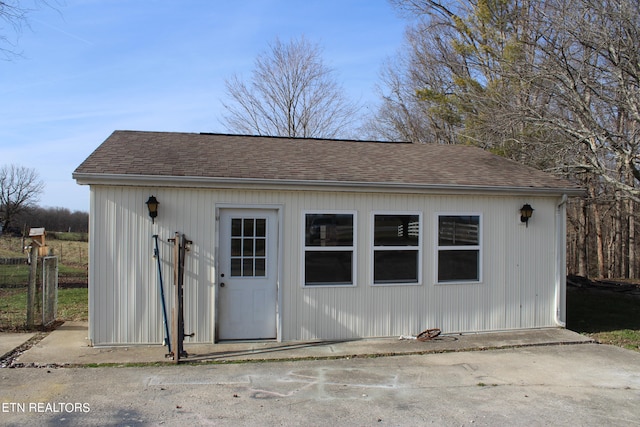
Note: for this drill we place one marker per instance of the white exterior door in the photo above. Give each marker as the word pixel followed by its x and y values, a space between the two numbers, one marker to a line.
pixel 247 274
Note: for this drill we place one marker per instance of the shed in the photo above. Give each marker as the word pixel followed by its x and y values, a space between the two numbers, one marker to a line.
pixel 306 239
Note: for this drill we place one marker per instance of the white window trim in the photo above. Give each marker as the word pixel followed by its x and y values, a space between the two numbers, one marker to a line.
pixel 395 248
pixel 466 247
pixel 353 248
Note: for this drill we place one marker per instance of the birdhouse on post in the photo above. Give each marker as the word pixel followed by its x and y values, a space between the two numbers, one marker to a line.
pixel 38 238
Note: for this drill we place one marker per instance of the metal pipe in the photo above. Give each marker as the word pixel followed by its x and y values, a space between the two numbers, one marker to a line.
pixel 561 263
pixel 156 254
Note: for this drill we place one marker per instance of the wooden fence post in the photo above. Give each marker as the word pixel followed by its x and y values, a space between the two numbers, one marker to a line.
pixel 31 290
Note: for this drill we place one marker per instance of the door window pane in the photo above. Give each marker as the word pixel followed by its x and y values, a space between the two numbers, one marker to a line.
pixel 247 267
pixel 236 247
pixel 260 247
pixel 260 267
pixel 236 227
pixel 236 267
pixel 261 227
pixel 248 227
pixel 248 247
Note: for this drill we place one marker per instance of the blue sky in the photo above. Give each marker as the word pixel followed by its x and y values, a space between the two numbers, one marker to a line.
pixel 90 67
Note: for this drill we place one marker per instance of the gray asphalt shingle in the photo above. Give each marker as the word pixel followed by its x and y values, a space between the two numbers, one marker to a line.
pixel 214 156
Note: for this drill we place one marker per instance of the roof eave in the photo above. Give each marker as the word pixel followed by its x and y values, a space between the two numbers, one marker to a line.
pixel 281 184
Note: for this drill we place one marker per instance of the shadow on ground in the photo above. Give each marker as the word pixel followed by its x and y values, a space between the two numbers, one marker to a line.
pixel 593 310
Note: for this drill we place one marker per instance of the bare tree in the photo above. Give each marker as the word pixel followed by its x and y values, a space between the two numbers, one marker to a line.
pixel 14 13
pixel 589 65
pixel 553 84
pixel 455 78
pixel 54 219
pixel 405 115
pixel 20 188
pixel 291 93
pixel 589 68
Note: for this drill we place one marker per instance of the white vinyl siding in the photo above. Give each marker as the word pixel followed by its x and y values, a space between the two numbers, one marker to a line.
pixel 516 292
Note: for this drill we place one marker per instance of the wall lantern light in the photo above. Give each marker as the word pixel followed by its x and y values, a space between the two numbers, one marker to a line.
pixel 152 204
pixel 526 211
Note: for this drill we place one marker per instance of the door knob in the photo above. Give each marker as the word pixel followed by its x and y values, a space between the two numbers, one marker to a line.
pixel 222 285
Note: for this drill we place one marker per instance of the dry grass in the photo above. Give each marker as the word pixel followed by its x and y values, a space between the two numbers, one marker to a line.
pixel 72 306
pixel 72 253
pixel 73 261
pixel 72 279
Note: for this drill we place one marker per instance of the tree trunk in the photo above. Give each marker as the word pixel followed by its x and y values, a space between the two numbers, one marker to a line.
pixel 583 259
pixel 572 237
pixel 620 254
pixel 632 240
pixel 597 222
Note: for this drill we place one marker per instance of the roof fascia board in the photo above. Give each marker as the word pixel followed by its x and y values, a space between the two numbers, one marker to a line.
pixel 277 184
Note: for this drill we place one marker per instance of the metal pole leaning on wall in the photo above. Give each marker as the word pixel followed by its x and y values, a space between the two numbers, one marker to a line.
pixel 165 321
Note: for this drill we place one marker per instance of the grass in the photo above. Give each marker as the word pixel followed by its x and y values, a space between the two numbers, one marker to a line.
pixel 608 317
pixel 71 250
pixel 72 256
pixel 13 303
pixel 14 275
pixel 11 247
pixel 72 306
pixel 75 237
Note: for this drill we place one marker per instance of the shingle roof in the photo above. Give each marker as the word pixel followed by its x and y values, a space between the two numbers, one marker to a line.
pixel 218 156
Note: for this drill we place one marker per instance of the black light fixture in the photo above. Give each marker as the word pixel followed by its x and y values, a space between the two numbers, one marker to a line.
pixel 152 204
pixel 526 211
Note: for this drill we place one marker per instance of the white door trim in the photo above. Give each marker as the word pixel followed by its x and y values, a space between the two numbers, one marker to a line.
pixel 278 209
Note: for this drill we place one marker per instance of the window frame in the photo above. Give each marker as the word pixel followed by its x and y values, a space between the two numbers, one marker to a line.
pixel 418 248
pixel 439 248
pixel 352 249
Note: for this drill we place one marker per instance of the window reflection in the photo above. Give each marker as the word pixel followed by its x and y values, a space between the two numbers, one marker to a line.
pixel 329 230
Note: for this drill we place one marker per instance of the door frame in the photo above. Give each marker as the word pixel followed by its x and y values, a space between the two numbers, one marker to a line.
pixel 278 209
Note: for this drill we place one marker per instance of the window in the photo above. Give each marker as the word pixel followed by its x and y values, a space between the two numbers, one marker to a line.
pixel 329 249
pixel 459 257
pixel 396 249
pixel 248 247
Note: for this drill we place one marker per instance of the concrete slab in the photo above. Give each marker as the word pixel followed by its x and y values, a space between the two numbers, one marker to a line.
pixel 68 345
pixel 553 385
pixel 10 341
